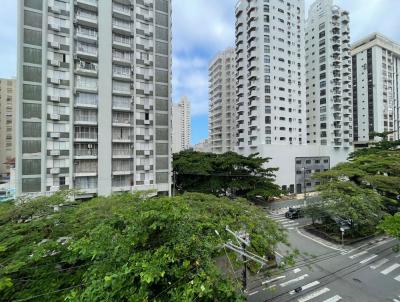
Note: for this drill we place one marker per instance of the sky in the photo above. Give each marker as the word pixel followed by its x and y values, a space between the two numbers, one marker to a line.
pixel 202 28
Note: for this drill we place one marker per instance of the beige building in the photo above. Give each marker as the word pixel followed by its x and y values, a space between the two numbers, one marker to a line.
pixel 222 102
pixel 7 125
pixel 181 125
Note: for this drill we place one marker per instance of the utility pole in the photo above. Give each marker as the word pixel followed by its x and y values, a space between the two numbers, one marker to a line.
pixel 244 274
pixel 305 186
pixel 173 183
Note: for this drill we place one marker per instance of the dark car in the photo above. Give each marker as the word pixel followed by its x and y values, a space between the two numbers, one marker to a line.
pixel 294 213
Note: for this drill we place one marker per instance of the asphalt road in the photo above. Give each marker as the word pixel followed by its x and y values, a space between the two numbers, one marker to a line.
pixel 369 272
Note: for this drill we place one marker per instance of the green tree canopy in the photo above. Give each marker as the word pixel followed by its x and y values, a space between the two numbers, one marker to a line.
pixel 125 248
pixel 225 174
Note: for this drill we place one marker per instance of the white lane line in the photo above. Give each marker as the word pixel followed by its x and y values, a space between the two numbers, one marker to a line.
pixel 294 280
pixel 314 294
pixel 397 278
pixel 270 287
pixel 290 228
pixel 368 259
pixel 307 286
pixel 321 243
pixel 272 280
pixel 390 269
pixel 334 299
pixel 379 263
pixel 290 223
pixel 395 300
pixel 358 255
pixel 253 293
pixel 297 270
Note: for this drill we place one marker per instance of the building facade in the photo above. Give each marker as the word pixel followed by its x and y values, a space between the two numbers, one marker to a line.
pixel 376 88
pixel 181 125
pixel 222 99
pixel 203 146
pixel 328 76
pixel 271 89
pixel 93 102
pixel 7 126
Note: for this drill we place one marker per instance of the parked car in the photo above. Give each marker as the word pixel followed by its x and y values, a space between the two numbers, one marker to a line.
pixel 294 213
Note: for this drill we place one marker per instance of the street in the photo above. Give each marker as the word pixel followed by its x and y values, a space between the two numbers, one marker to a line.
pixel 369 272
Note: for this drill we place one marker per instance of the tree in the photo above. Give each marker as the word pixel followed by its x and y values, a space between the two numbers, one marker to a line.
pixel 391 225
pixel 225 174
pixel 125 247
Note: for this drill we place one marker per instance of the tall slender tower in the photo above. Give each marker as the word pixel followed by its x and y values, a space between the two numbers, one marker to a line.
pixel 93 109
pixel 222 102
pixel 376 88
pixel 328 61
pixel 181 125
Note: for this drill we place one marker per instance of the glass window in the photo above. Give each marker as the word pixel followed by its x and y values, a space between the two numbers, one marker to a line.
pixel 31 129
pixel 31 185
pixel 32 55
pixel 161 134
pixel 162 149
pixel 161 19
pixel 162 5
pixel 33 19
pixel 162 178
pixel 32 37
pixel 32 110
pixel 31 166
pixel 32 74
pixel 30 147
pixel 36 4
pixel 32 92
pixel 162 119
pixel 161 90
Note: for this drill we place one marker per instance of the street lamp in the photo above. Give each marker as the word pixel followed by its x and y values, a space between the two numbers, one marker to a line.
pixel 343 229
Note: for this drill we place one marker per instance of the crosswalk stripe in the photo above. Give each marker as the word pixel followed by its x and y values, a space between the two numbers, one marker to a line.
pixel 253 293
pixel 297 270
pixel 358 255
pixel 397 278
pixel 314 294
pixel 395 300
pixel 390 269
pixel 294 280
pixel 334 299
pixel 368 259
pixel 272 280
pixel 307 286
pixel 379 263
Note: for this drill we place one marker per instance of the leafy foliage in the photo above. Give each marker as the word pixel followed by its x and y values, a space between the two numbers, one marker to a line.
pixel 358 189
pixel 225 174
pixel 391 225
pixel 125 248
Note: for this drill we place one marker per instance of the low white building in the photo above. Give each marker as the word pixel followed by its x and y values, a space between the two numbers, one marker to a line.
pixel 203 146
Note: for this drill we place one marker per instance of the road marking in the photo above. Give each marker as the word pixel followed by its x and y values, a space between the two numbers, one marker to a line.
pixel 253 293
pixel 294 280
pixel 290 228
pixel 307 286
pixel 397 278
pixel 272 280
pixel 390 269
pixel 368 259
pixel 321 243
pixel 358 255
pixel 270 287
pixel 297 270
pixel 334 299
pixel 314 294
pixel 379 263
pixel 395 300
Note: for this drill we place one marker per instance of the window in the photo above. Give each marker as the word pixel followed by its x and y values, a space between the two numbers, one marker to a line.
pixel 33 19
pixel 32 55
pixel 32 74
pixel 31 111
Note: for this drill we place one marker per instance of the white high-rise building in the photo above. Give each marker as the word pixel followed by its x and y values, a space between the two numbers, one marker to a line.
pixel 328 64
pixel 376 88
pixel 93 103
pixel 181 125
pixel 271 91
pixel 222 102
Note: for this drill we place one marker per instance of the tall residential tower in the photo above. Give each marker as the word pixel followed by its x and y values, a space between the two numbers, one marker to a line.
pixel 328 62
pixel 93 104
pixel 7 127
pixel 222 102
pixel 376 88
pixel 181 125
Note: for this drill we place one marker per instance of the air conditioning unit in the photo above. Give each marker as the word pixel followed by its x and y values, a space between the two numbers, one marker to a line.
pixel 147 152
pixel 55 171
pixel 54 98
pixel 55 117
pixel 147 167
pixel 147 137
pixel 55 63
pixel 55 81
pixel 54 188
pixel 55 45
pixel 55 27
pixel 147 122
pixel 55 153
pixel 147 106
pixel 55 134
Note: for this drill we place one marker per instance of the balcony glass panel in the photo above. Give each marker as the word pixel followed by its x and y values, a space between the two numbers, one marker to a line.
pixel 121 102
pixel 87 99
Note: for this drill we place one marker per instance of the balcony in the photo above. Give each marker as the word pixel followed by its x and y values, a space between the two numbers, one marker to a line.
pixel 87 153
pixel 251 45
pixel 86 68
pixel 122 57
pixel 86 51
pixel 123 153
pixel 87 4
pixel 85 168
pixel 122 104
pixel 122 74
pixel 85 136
pixel 55 171
pixel 86 35
pixel 85 119
pixel 123 11
pixel 54 117
pixel 122 122
pixel 85 18
pixel 122 42
pixel 121 26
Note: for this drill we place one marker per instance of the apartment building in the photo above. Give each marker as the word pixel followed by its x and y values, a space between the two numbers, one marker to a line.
pixel 181 125
pixel 222 102
pixel 328 64
pixel 7 127
pixel 93 102
pixel 376 88
pixel 202 146
pixel 271 90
